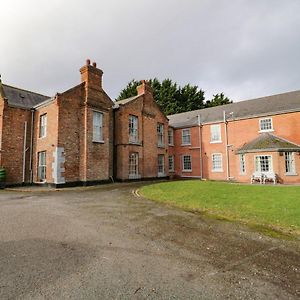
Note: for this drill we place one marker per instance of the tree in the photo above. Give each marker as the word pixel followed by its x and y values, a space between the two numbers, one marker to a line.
pixel 169 96
pixel 218 99
pixel 174 99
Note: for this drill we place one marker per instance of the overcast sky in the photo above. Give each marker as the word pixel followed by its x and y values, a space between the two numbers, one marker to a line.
pixel 244 48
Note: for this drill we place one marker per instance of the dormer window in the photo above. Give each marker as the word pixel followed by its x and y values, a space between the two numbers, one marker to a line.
pixel 265 125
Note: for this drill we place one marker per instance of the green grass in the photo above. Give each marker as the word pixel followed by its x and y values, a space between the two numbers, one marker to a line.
pixel 271 208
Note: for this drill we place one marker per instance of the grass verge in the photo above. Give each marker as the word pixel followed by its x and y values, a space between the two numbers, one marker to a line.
pixel 272 210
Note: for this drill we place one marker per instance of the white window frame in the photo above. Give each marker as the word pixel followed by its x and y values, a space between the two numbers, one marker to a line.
pixel 215 134
pixel 184 169
pixel 171 163
pixel 42 166
pixel 98 128
pixel 43 126
pixel 242 164
pixel 186 136
pixel 261 121
pixel 161 167
pixel 258 164
pixel 214 161
pixel 133 165
pixel 171 137
pixel 133 128
pixel 289 163
pixel 160 135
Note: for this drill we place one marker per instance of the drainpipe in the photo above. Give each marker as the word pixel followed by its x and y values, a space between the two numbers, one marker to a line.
pixel 24 151
pixel 200 146
pixel 226 146
pixel 31 147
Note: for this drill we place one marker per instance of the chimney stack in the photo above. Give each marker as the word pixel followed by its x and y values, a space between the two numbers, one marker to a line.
pixel 144 88
pixel 91 75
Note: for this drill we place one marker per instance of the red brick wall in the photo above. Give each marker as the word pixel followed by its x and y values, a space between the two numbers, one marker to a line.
pixel 149 115
pixel 239 132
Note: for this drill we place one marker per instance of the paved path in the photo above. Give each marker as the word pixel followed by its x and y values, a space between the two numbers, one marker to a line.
pixel 106 243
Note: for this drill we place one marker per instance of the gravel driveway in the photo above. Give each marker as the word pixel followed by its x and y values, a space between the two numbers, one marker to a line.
pixel 107 243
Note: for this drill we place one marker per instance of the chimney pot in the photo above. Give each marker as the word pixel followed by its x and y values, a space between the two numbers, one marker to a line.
pixel 88 62
pixel 94 64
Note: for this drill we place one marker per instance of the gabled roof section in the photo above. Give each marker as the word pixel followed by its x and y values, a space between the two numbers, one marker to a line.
pixel 124 101
pixel 275 104
pixel 268 142
pixel 22 98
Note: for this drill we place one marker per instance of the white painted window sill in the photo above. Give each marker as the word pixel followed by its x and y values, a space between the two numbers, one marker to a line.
pixel 187 171
pixel 216 142
pixel 266 130
pixel 291 174
pixel 186 144
pixel 161 175
pixel 98 142
pixel 134 176
pixel 171 145
pixel 217 170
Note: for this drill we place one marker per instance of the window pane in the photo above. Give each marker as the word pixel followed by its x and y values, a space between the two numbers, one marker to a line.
pixel 160 134
pixel 217 162
pixel 97 126
pixel 170 136
pixel 265 124
pixel 161 164
pixel 171 163
pixel 186 136
pixel 289 162
pixel 215 133
pixel 133 129
pixel 187 163
pixel 133 164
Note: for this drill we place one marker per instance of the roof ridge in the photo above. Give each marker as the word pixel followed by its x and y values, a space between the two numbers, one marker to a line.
pixel 21 89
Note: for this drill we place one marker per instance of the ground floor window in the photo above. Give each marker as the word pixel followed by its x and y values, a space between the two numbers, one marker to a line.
pixel 171 163
pixel 263 163
pixel 42 166
pixel 289 163
pixel 242 164
pixel 133 165
pixel 161 164
pixel 186 163
pixel 217 165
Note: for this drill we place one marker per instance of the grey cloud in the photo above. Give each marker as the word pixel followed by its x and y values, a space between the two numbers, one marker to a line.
pixel 245 48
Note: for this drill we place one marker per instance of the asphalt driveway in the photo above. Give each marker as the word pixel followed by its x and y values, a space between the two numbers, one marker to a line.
pixel 107 243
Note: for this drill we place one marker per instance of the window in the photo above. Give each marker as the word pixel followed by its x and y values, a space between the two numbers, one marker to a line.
pixel 217 162
pixel 215 133
pixel 265 125
pixel 263 163
pixel 242 164
pixel 97 126
pixel 171 136
pixel 186 163
pixel 161 165
pixel 133 165
pixel 171 163
pixel 42 166
pixel 43 125
pixel 160 135
pixel 289 163
pixel 186 136
pixel 133 129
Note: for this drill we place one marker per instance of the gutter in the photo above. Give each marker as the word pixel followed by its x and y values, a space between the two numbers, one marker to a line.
pixel 24 152
pixel 200 145
pixel 31 146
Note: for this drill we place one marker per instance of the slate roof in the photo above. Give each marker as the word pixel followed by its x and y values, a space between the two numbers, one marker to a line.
pixel 268 142
pixel 124 101
pixel 22 98
pixel 250 108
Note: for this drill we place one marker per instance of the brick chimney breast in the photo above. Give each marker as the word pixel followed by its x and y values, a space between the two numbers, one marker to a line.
pixel 144 88
pixel 91 75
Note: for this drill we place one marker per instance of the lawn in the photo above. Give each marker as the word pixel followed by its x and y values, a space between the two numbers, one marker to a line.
pixel 262 206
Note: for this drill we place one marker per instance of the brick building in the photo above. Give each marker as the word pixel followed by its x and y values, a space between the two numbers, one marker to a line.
pixel 240 141
pixel 81 136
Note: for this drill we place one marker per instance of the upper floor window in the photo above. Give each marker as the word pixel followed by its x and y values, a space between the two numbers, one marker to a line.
pixel 160 134
pixel 97 126
pixel 171 136
pixel 43 125
pixel 265 125
pixel 186 136
pixel 217 165
pixel 133 129
pixel 215 133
